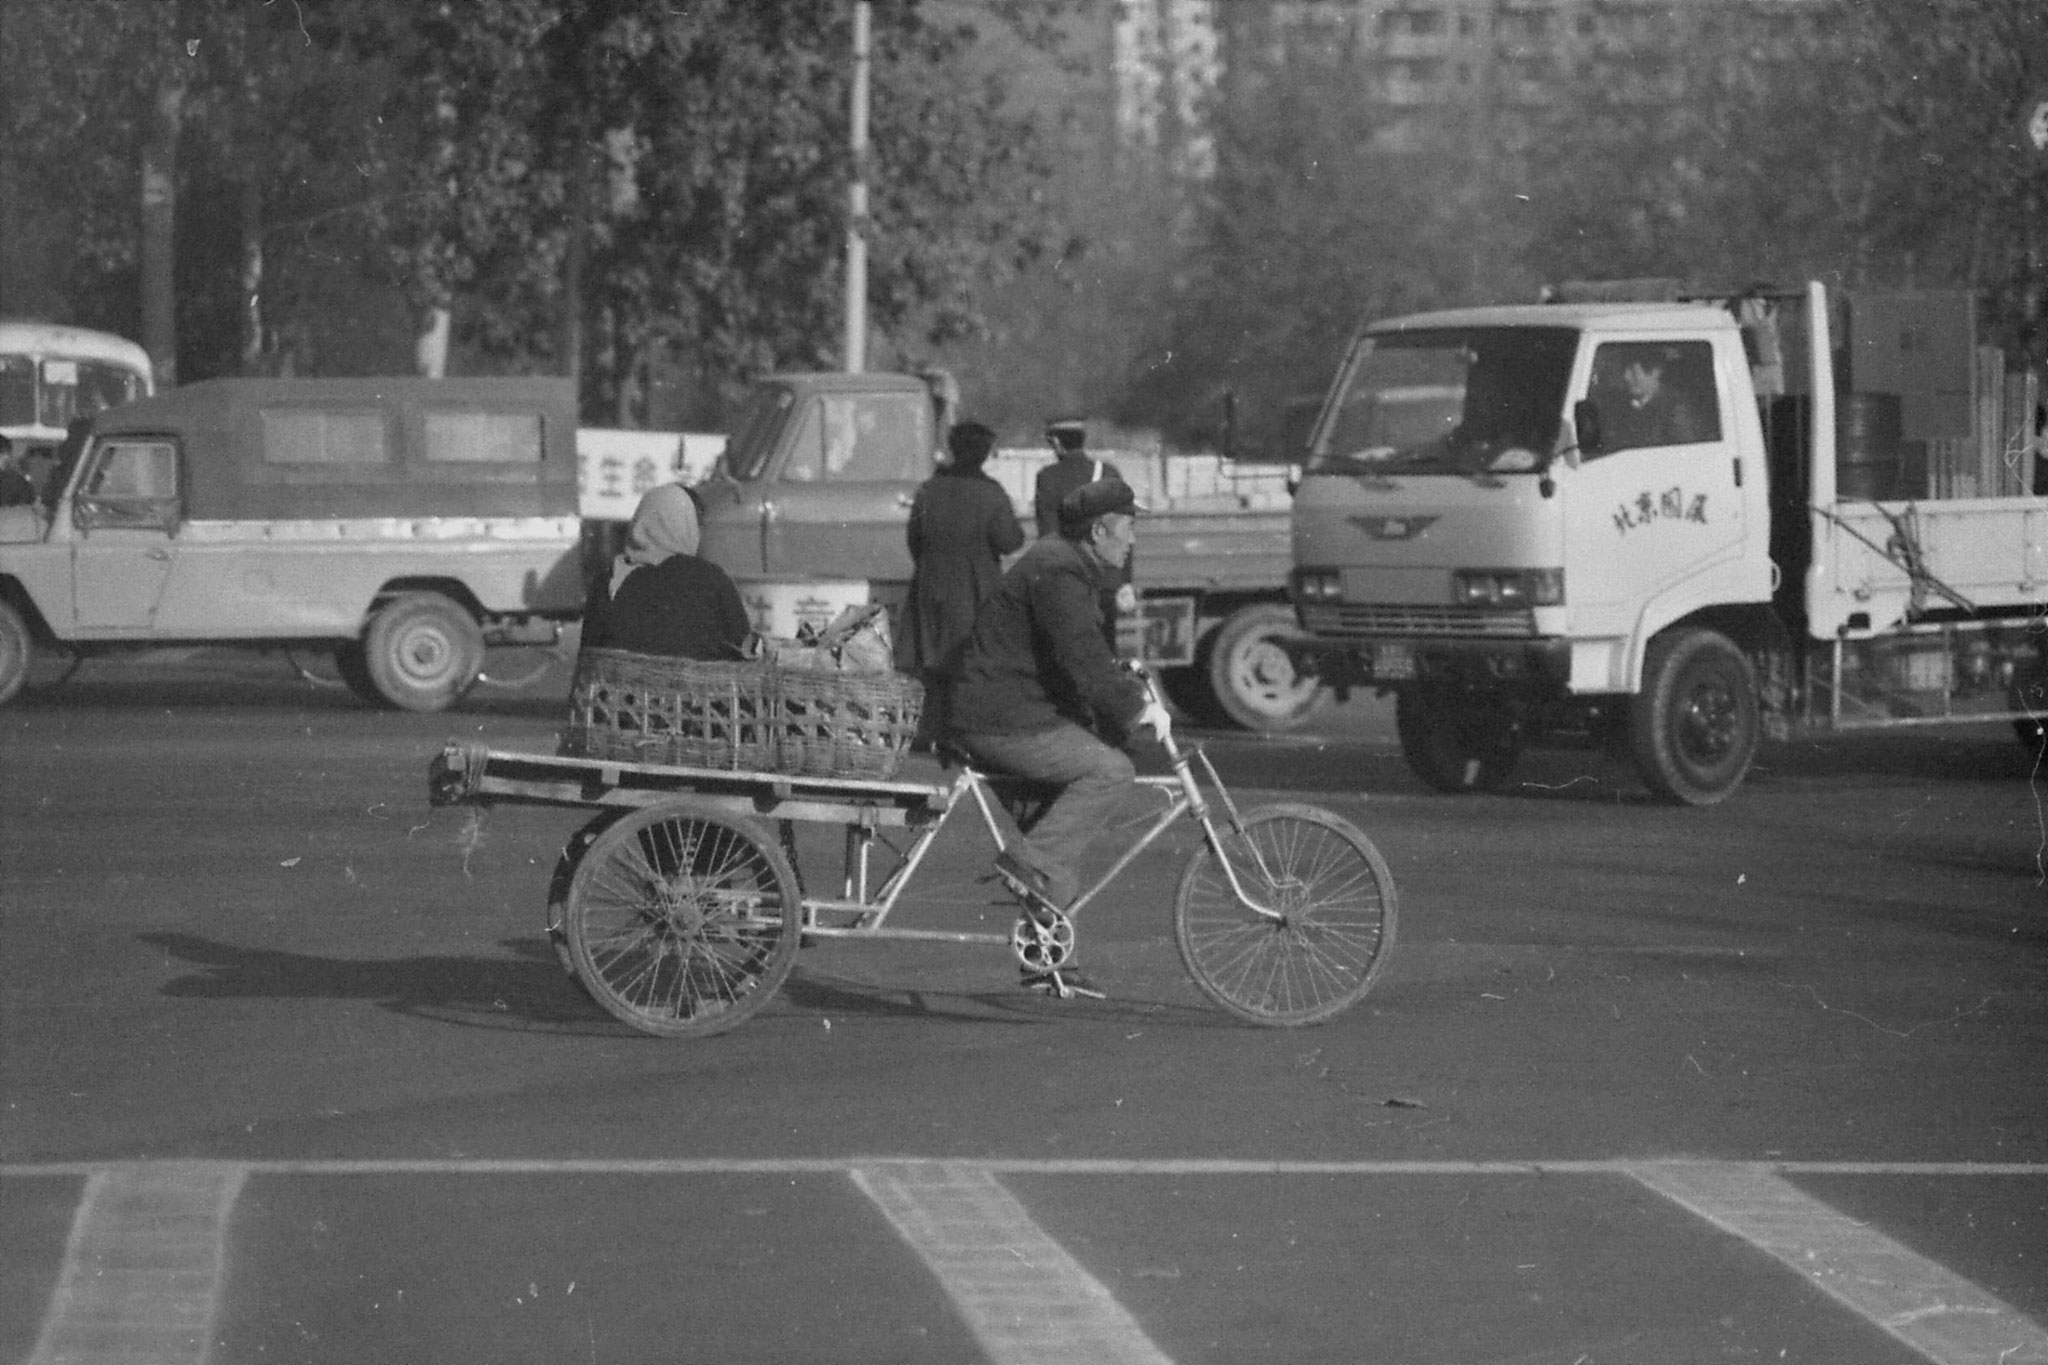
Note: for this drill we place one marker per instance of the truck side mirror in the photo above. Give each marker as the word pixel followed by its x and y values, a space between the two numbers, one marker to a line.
pixel 1586 424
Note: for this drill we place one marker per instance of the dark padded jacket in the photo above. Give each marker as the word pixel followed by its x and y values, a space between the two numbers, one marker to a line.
pixel 684 607
pixel 1037 656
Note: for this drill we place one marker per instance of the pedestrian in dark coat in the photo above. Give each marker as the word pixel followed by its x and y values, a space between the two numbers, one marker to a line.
pixel 961 526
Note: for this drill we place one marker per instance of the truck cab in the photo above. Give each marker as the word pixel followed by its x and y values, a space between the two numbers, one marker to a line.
pixel 1667 521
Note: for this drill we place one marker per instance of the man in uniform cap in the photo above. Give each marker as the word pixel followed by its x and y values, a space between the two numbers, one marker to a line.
pixel 1036 677
pixel 1072 466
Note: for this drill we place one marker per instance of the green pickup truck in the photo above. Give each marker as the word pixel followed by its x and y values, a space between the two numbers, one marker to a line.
pixel 807 506
pixel 400 523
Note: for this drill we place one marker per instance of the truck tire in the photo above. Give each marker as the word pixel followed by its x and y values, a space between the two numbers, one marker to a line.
pixel 1694 726
pixel 1250 675
pixel 17 652
pixel 1455 744
pixel 352 666
pixel 422 651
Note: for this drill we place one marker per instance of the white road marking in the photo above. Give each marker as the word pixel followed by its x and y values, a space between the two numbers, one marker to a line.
pixel 834 1165
pixel 142 1270
pixel 1939 1314
pixel 144 1266
pixel 1025 1299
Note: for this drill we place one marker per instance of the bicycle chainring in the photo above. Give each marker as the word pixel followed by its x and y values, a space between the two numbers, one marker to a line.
pixel 1042 945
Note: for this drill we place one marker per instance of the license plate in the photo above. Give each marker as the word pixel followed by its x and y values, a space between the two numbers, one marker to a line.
pixel 1392 662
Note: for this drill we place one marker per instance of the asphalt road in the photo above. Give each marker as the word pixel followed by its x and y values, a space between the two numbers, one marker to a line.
pixel 289 1074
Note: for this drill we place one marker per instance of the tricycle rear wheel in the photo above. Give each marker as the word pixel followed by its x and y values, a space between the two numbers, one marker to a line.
pixel 682 920
pixel 1333 930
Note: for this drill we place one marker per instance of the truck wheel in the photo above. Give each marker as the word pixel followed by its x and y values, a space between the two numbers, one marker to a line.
pixel 1251 675
pixel 17 652
pixel 1455 744
pixel 1694 727
pixel 422 652
pixel 352 666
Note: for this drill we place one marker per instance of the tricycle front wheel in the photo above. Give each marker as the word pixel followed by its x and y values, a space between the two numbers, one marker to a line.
pixel 1330 933
pixel 682 921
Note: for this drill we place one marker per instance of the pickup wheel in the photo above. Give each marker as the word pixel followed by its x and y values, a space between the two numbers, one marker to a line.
pixel 1456 743
pixel 1251 675
pixel 1694 726
pixel 17 652
pixel 422 652
pixel 352 666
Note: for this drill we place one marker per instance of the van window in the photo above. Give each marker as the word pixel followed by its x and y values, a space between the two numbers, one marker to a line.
pixel 484 437
pixel 303 436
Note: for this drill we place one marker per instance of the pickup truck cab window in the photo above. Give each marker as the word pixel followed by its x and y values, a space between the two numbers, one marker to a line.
pixel 131 483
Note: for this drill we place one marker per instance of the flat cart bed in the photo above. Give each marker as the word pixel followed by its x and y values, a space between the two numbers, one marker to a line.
pixel 476 775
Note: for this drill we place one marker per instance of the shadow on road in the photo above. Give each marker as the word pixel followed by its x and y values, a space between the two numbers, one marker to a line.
pixel 530 992
pixel 525 992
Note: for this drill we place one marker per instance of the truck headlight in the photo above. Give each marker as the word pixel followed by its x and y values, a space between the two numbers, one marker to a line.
pixel 1508 587
pixel 1318 585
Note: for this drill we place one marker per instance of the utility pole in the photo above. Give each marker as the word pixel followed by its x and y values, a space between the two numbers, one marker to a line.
pixel 857 199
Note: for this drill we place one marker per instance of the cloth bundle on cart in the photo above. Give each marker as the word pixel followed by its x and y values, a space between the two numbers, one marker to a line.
pixel 822 705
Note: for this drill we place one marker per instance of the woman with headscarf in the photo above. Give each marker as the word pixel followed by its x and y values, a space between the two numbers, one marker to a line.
pixel 659 597
pixel 961 526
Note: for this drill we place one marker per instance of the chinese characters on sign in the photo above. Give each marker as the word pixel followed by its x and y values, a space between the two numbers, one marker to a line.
pixel 1672 504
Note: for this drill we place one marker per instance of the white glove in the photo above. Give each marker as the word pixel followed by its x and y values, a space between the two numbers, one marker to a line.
pixel 1155 717
pixel 1126 599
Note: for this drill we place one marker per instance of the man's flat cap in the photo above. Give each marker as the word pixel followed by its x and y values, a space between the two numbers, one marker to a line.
pixel 1066 426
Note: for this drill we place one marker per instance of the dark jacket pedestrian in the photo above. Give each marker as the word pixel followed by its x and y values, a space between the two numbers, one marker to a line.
pixel 961 526
pixel 659 597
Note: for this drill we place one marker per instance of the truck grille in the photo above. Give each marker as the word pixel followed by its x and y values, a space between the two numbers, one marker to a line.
pixel 1365 620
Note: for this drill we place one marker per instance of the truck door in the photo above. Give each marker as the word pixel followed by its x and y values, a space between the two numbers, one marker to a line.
pixel 125 512
pixel 1657 499
pixel 840 505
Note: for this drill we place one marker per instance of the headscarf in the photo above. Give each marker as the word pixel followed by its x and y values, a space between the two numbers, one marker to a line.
pixel 664 525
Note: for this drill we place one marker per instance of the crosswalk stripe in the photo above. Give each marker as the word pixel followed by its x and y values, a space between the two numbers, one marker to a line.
pixel 1936 1312
pixel 142 1270
pixel 1025 1299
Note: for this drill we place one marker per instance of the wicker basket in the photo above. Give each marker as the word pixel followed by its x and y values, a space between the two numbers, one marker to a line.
pixel 646 708
pixel 835 723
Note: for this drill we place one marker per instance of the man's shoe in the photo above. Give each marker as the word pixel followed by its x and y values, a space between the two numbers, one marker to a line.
pixel 1061 983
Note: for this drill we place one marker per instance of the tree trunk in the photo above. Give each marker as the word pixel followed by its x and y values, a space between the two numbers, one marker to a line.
pixel 159 221
pixel 252 275
pixel 570 323
pixel 430 342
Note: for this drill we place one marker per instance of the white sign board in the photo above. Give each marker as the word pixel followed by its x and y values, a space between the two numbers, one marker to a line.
pixel 615 468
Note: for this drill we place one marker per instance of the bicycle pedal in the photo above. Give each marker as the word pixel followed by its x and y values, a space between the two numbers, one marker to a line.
pixel 1062 984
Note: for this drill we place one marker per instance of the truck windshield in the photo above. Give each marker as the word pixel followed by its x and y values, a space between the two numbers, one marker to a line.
pixel 1465 400
pixel 755 434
